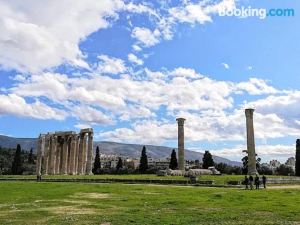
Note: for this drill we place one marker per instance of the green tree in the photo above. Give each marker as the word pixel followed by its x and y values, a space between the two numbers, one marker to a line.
pixel 207 160
pixel 30 157
pixel 143 161
pixel 17 164
pixel 97 162
pixel 119 164
pixel 245 163
pixel 297 166
pixel 173 162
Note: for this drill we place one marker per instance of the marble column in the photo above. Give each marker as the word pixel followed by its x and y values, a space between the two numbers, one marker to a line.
pixel 89 154
pixel 181 160
pixel 250 142
pixel 39 156
pixel 80 156
pixel 58 155
pixel 77 153
pixel 84 153
pixel 46 154
pixel 72 155
pixel 53 154
pixel 65 156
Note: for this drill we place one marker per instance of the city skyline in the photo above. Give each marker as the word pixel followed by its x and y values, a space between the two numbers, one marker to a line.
pixel 130 68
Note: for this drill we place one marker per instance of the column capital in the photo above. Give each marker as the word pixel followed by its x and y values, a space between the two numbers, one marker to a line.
pixel 180 121
pixel 249 112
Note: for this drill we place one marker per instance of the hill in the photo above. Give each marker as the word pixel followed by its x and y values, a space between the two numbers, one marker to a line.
pixel 131 150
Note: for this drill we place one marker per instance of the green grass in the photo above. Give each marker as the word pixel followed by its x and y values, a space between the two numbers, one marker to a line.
pixel 78 203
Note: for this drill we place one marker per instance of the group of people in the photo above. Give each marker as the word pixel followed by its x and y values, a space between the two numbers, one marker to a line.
pixel 249 181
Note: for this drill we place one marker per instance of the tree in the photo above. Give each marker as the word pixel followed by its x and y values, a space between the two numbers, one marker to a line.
pixel 30 157
pixel 120 164
pixel 297 165
pixel 245 162
pixel 17 165
pixel 173 162
pixel 97 162
pixel 207 160
pixel 143 161
pixel 284 170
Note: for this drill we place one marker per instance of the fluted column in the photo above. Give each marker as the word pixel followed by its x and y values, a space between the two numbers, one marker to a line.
pixel 46 154
pixel 250 142
pixel 181 160
pixel 89 154
pixel 84 152
pixel 65 156
pixel 80 155
pixel 77 153
pixel 52 156
pixel 72 155
pixel 39 156
pixel 58 156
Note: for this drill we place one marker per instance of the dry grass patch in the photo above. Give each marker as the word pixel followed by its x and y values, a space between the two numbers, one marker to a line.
pixel 91 195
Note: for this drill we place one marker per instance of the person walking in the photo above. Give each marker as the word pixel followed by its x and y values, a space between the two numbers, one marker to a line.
pixel 264 181
pixel 256 181
pixel 251 182
pixel 246 182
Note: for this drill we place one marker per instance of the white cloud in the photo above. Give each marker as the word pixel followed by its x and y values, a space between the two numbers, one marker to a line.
pixel 39 35
pixel 256 86
pixel 92 115
pixel 265 152
pixel 200 12
pixel 133 58
pixel 111 65
pixel 185 72
pixel 226 66
pixel 13 104
pixel 145 36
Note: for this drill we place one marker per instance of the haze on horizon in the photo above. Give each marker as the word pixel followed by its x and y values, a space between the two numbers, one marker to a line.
pixel 130 68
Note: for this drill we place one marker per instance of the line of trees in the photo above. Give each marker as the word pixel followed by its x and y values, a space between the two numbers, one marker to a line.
pixel 16 161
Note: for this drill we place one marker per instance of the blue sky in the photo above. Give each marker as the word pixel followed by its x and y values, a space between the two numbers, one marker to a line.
pixel 129 68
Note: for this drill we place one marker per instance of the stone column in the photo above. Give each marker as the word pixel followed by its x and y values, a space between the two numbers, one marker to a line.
pixel 65 156
pixel 84 152
pixel 80 158
pixel 46 154
pixel 77 153
pixel 250 142
pixel 181 160
pixel 39 156
pixel 89 154
pixel 58 155
pixel 53 154
pixel 72 155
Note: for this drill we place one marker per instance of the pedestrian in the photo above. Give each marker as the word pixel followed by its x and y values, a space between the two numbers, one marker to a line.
pixel 264 181
pixel 251 182
pixel 246 182
pixel 256 181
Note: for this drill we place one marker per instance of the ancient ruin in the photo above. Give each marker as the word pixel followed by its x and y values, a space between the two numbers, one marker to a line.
pixel 250 142
pixel 181 160
pixel 65 153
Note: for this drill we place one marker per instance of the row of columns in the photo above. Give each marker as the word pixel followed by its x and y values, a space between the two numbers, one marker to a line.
pixel 65 153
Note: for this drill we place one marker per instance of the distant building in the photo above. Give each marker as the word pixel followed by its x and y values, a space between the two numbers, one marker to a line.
pixel 291 162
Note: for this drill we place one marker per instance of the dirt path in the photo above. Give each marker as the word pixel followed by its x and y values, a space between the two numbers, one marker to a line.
pixel 284 187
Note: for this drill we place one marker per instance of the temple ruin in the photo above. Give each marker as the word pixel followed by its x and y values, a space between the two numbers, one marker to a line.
pixel 65 153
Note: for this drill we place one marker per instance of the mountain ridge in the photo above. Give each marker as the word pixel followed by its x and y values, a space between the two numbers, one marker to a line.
pixel 114 148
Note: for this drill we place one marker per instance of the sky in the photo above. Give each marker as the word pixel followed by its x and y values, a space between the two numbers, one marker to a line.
pixel 129 68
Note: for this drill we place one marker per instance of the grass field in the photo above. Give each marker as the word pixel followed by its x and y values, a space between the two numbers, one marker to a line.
pixel 118 204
